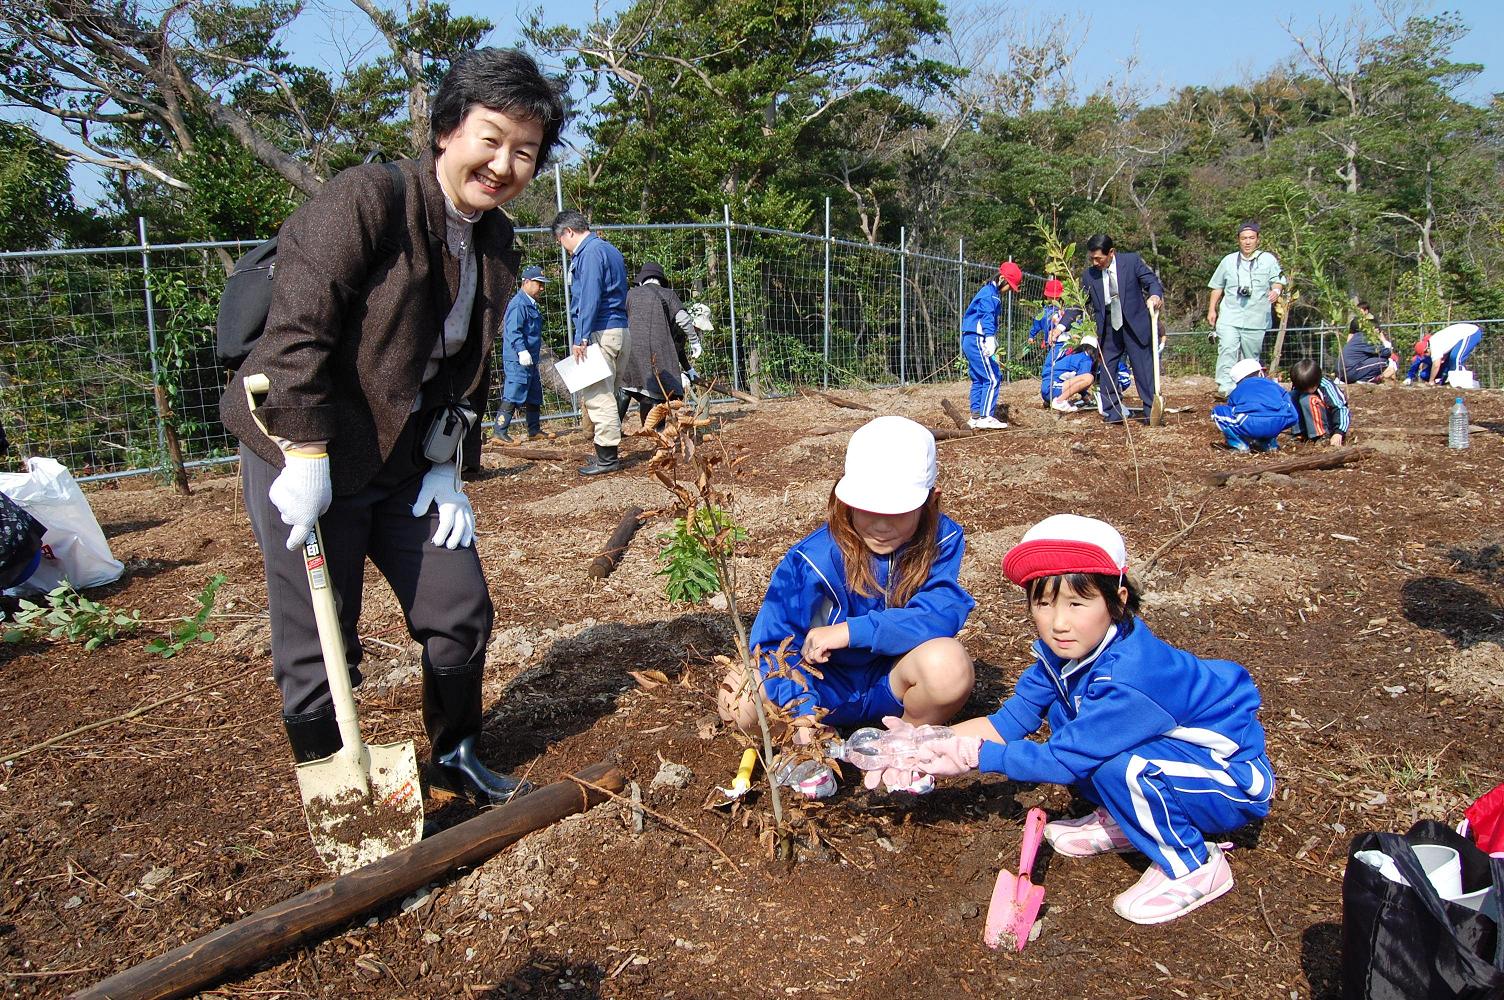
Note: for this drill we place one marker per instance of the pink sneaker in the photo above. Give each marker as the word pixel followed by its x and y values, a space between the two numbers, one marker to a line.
pixel 1093 834
pixel 1157 898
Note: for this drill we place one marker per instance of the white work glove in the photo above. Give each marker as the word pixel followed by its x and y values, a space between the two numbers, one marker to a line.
pixel 690 375
pixel 989 346
pixel 441 485
pixel 695 350
pixel 301 492
pixel 525 359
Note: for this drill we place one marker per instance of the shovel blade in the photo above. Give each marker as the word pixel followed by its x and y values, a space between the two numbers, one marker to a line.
pixel 1026 912
pixel 1002 912
pixel 1157 412
pixel 362 808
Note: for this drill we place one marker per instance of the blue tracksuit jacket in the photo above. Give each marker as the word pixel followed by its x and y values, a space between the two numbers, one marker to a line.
pixel 597 288
pixel 1322 412
pixel 808 588
pixel 981 315
pixel 521 330
pixel 1169 743
pixel 1257 409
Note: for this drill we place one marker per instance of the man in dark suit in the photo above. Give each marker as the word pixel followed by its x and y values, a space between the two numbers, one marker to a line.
pixel 1120 290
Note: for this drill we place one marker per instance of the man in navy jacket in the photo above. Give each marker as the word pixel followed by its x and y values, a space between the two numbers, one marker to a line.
pixel 1120 290
pixel 598 307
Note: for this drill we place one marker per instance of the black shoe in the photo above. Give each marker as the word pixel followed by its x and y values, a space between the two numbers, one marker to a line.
pixel 461 773
pixel 452 716
pixel 500 434
pixel 313 736
pixel 605 461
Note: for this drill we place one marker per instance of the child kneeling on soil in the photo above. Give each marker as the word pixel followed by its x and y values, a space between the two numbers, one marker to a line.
pixel 1167 745
pixel 872 602
pixel 1074 373
pixel 1320 404
pixel 1257 411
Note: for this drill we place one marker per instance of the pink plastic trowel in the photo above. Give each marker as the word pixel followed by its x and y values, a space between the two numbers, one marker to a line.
pixel 1015 899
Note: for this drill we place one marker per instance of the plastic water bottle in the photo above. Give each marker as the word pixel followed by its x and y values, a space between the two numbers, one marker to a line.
pixel 1457 425
pixel 872 749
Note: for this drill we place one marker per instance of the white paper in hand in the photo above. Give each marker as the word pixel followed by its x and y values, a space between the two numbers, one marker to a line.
pixel 581 375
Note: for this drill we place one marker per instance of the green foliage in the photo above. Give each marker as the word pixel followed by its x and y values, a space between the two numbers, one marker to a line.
pixel 1059 262
pixel 1419 297
pixel 70 616
pixel 36 196
pixel 691 551
pixel 192 628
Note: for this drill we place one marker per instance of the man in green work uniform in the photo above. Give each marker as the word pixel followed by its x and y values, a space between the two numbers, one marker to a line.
pixel 1246 284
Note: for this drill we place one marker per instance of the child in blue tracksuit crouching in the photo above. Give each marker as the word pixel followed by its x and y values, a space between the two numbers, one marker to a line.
pixel 1168 745
pixel 1257 411
pixel 871 600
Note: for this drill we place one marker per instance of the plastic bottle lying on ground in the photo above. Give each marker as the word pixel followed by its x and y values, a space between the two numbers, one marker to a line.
pixel 871 749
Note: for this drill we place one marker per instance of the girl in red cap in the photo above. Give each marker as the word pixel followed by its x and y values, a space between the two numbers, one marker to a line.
pixel 1168 745
pixel 871 600
pixel 979 344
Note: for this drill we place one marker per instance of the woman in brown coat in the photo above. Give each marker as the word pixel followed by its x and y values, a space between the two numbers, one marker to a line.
pixel 366 345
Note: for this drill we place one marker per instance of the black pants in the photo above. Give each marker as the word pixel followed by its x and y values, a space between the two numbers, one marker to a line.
pixel 1115 344
pixel 442 591
pixel 645 404
pixel 532 411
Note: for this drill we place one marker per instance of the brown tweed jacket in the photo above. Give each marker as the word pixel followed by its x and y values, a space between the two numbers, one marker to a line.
pixel 351 327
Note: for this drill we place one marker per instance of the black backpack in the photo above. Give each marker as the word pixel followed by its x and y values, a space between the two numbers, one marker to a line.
pixel 247 298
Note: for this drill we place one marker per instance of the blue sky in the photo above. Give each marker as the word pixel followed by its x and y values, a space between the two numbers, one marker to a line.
pixel 1177 42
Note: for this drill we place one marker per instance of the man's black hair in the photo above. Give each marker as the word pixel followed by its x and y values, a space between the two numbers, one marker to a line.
pixel 1305 375
pixel 505 80
pixel 1089 585
pixel 1101 242
pixel 569 219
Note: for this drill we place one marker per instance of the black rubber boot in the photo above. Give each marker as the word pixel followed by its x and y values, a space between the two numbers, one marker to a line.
pixel 605 461
pixel 452 716
pixel 313 736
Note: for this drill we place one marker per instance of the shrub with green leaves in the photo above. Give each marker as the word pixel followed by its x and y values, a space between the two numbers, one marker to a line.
pixel 692 551
pixel 191 628
pixel 73 617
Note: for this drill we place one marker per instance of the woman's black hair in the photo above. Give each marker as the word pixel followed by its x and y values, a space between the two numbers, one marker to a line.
pixel 505 80
pixel 1089 585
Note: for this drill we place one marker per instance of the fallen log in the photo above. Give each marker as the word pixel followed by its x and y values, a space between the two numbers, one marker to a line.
pixel 954 412
pixel 198 964
pixel 1331 460
pixel 535 454
pixel 948 434
pixel 835 400
pixel 745 397
pixel 616 546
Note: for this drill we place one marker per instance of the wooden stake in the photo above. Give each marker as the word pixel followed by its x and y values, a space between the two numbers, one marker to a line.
pixel 198 964
pixel 616 546
pixel 955 414
pixel 1330 460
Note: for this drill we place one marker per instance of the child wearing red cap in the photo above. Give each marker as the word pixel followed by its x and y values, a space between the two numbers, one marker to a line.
pixel 872 599
pixel 979 344
pixel 1168 745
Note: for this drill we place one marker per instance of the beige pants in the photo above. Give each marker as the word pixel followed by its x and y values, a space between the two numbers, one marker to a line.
pixel 598 401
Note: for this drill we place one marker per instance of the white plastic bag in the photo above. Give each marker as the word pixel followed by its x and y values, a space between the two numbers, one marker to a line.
pixel 74 548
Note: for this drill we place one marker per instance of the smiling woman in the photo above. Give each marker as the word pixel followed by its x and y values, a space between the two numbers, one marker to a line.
pixel 377 352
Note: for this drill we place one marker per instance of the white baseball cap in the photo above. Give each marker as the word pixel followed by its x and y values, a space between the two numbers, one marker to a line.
pixel 1066 543
pixel 1089 341
pixel 890 467
pixel 1242 369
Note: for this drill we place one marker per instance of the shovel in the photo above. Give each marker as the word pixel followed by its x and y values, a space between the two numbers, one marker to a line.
pixel 1157 410
pixel 1016 900
pixel 362 802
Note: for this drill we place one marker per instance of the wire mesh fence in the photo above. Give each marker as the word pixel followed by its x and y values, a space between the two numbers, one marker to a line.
pixel 101 349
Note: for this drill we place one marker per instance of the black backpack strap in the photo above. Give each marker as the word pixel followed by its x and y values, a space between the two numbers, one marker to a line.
pixel 396 211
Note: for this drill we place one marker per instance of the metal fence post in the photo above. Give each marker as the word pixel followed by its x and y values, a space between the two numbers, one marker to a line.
pixel 736 376
pixel 960 282
pixel 903 312
pixel 563 266
pixel 1321 349
pixel 1008 347
pixel 151 335
pixel 826 377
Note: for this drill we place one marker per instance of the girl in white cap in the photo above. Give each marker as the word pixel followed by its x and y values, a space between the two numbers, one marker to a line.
pixel 1167 745
pixel 871 602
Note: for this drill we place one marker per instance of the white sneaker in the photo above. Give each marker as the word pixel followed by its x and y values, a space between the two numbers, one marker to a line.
pixel 1157 898
pixel 972 423
pixel 1062 404
pixel 988 424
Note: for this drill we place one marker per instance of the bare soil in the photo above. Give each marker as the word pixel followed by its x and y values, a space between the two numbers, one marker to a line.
pixel 1367 601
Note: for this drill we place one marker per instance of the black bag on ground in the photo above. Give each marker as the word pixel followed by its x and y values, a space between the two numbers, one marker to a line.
pixel 20 541
pixel 1404 942
pixel 247 297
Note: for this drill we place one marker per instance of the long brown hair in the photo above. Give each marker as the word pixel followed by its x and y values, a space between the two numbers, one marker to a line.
pixel 911 565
